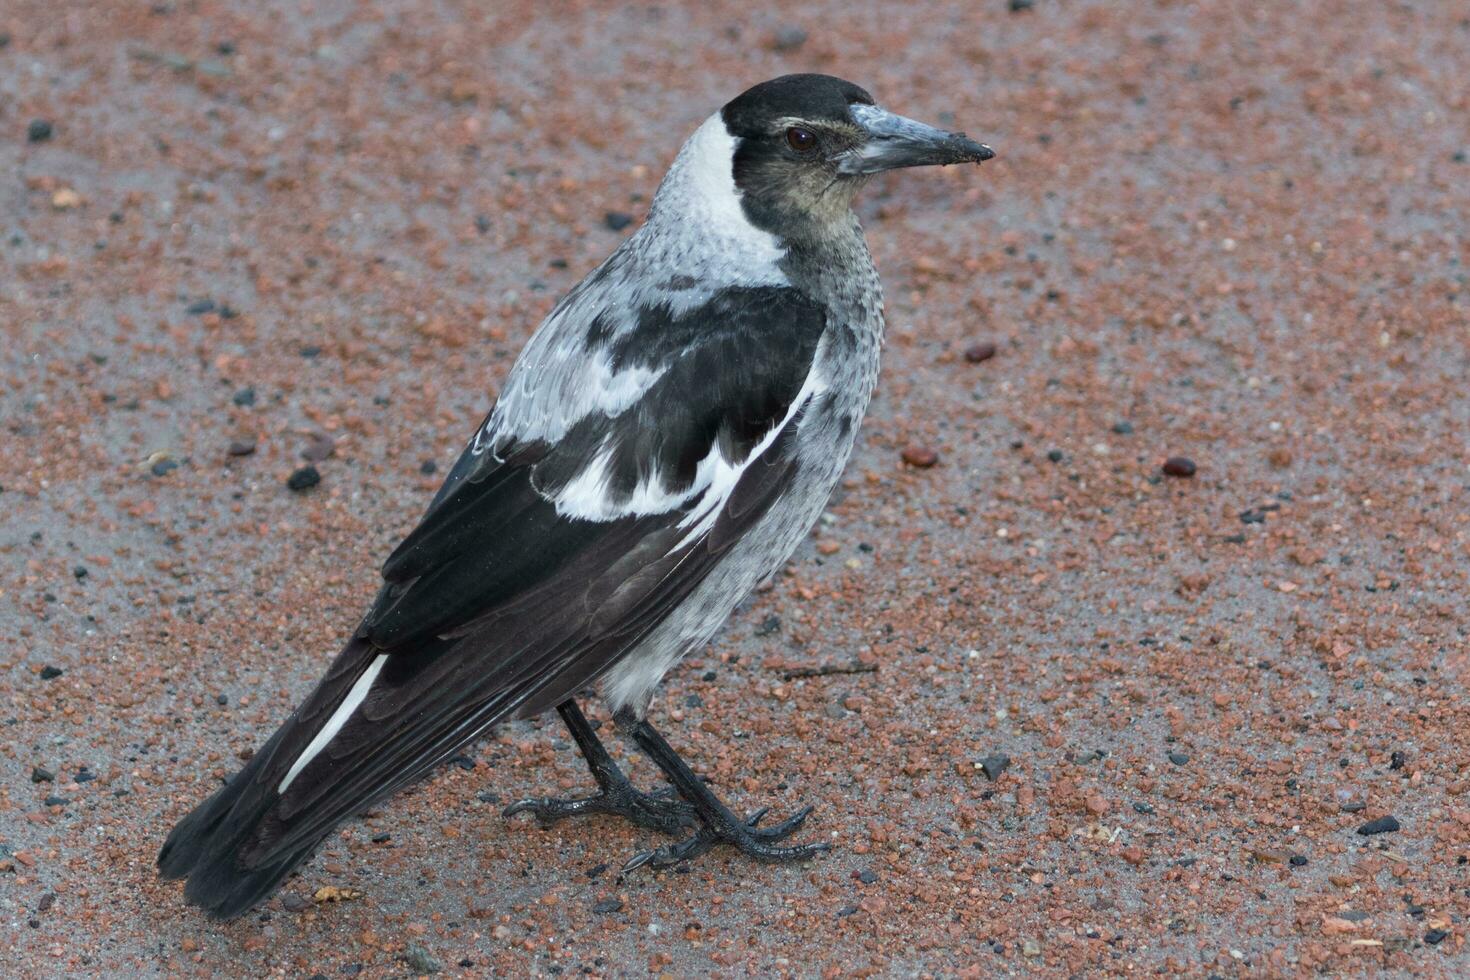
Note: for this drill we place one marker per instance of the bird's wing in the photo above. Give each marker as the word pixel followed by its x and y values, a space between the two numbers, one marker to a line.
pixel 542 562
pixel 644 476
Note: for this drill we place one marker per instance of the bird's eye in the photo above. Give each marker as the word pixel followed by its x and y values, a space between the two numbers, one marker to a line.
pixel 801 140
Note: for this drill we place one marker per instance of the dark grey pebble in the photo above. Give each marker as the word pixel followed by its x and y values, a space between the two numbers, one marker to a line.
pixel 80 572
pixel 1383 825
pixel 866 876
pixel 1143 808
pixel 595 870
pixel 419 961
pixel 244 397
pixel 789 38
pixel 846 910
pixel 1055 455
pixel 994 765
pixel 1298 860
pixel 428 467
pixel 164 467
pixel 1178 758
pixel 304 478
pixel 39 130
pixel 56 801
pixel 200 307
pixel 1123 428
pixel 39 775
pixel 607 905
pixel 617 220
pixel 242 447
pixel 1435 936
pixel 49 672
pixel 769 625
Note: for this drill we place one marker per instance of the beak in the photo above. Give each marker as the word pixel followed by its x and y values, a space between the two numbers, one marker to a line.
pixel 894 142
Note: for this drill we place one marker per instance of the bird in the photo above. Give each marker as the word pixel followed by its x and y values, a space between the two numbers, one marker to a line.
pixel 664 441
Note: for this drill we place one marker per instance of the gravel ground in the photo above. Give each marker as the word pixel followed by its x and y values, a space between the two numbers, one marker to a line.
pixel 237 235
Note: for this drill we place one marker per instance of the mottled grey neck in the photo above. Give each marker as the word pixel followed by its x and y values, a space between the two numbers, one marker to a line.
pixel 836 269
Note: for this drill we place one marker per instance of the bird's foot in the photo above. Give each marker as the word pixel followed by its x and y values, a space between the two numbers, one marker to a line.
pixel 658 810
pixel 753 841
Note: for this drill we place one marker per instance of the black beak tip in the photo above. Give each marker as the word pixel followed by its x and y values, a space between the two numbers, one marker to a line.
pixel 971 151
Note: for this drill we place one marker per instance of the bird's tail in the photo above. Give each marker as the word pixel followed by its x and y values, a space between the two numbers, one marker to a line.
pixel 362 734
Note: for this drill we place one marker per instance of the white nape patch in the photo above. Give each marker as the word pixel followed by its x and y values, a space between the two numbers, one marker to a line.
pixel 699 193
pixel 339 718
pixel 722 474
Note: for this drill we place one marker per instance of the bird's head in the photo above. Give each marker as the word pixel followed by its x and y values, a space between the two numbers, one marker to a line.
pixel 803 144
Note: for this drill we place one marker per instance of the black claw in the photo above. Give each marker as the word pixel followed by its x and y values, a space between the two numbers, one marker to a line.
pixel 637 861
pixel 548 810
pixel 519 806
pixel 648 810
pixel 748 838
pixel 788 826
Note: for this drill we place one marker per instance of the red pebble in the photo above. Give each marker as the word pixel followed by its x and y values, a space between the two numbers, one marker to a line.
pixel 1179 466
pixel 979 352
pixel 921 457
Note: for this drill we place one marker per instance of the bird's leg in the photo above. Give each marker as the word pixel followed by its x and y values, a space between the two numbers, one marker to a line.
pixel 717 824
pixel 615 795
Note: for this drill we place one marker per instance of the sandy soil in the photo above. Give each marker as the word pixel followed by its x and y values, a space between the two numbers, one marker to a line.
pixel 1228 232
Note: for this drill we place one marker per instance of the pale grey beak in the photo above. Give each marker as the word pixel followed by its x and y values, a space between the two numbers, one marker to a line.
pixel 894 141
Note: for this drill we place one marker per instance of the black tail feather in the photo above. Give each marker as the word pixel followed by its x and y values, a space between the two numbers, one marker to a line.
pixel 205 847
pixel 238 845
pixel 210 846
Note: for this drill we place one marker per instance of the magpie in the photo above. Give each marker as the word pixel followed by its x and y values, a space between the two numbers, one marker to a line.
pixel 662 444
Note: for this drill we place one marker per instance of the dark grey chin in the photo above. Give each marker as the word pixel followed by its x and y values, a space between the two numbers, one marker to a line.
pixel 895 141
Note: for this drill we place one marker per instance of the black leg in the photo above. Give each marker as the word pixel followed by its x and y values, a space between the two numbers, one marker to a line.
pixel 718 824
pixel 616 795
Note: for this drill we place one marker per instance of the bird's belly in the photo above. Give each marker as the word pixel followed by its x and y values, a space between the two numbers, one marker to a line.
pixel 826 438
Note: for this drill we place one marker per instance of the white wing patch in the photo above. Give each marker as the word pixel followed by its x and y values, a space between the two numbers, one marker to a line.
pixel 574 386
pixel 725 474
pixel 587 496
pixel 339 718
